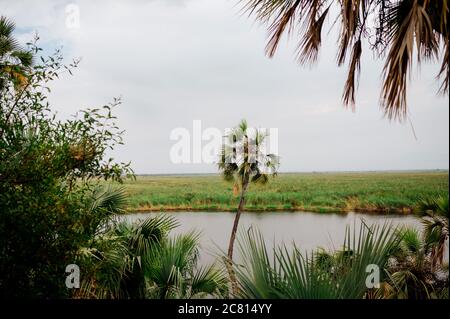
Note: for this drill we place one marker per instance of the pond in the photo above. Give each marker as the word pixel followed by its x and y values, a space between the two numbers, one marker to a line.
pixel 307 230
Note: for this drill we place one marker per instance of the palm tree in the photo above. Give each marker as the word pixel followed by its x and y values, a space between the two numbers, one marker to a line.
pixel 243 161
pixel 435 221
pixel 14 61
pixel 282 274
pixel 390 28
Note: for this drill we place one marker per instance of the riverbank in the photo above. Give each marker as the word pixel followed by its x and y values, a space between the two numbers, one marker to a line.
pixel 370 192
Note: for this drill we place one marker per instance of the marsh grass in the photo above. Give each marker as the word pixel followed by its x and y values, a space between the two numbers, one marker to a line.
pixel 390 192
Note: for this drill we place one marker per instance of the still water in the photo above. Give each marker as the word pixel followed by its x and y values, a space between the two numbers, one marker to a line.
pixel 307 230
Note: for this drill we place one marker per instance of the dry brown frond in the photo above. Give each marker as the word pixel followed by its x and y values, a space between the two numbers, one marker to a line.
pixel 349 23
pixel 277 28
pixel 355 66
pixel 407 30
pixel 411 27
pixel 444 71
pixel 308 48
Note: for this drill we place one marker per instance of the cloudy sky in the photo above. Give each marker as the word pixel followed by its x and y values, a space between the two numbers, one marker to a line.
pixel 176 61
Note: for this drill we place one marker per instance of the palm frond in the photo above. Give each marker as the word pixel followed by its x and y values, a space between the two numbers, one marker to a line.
pixel 104 265
pixel 411 242
pixel 169 264
pixel 409 26
pixel 353 74
pixel 14 61
pixel 118 256
pixel 207 280
pixel 292 274
pixel 110 199
pixel 407 30
pixel 433 205
pixel 308 48
pixel 7 42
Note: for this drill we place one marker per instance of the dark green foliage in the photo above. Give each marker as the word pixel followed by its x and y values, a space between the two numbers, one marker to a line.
pixel 413 272
pixel 141 261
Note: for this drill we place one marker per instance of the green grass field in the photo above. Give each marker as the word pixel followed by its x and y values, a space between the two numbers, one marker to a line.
pixel 318 192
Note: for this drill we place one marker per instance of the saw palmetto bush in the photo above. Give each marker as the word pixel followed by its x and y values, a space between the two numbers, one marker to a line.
pixel 418 269
pixel 172 271
pixel 412 273
pixel 402 32
pixel 435 217
pixel 280 272
pixel 112 261
pixel 141 260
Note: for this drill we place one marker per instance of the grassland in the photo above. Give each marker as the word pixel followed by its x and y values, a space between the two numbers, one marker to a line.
pixel 318 192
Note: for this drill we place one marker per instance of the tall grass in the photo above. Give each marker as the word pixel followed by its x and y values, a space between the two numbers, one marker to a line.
pixel 320 192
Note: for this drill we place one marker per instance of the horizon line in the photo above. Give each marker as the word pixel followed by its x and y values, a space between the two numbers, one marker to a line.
pixel 312 172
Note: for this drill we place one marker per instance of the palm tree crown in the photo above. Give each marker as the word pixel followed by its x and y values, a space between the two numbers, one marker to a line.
pixel 243 159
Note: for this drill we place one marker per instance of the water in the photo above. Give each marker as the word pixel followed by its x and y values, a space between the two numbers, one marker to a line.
pixel 307 230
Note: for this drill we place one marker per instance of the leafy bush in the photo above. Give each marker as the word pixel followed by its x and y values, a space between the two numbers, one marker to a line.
pixel 47 171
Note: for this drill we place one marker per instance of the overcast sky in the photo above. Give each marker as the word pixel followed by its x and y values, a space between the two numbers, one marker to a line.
pixel 175 61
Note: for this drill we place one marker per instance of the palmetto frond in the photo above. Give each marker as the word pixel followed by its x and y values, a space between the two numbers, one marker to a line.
pixel 169 264
pixel 105 260
pixel 108 199
pixel 409 27
pixel 436 234
pixel 413 270
pixel 207 280
pixel 172 270
pixel 405 284
pixel 405 29
pixel 142 239
pixel 434 205
pixel 293 274
pixel 435 217
pixel 14 61
pixel 104 264
pixel 102 204
pixel 114 261
pixel 411 241
pixel 7 42
pixel 143 235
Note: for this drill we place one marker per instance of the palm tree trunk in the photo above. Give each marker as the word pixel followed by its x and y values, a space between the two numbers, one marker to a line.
pixel 232 240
